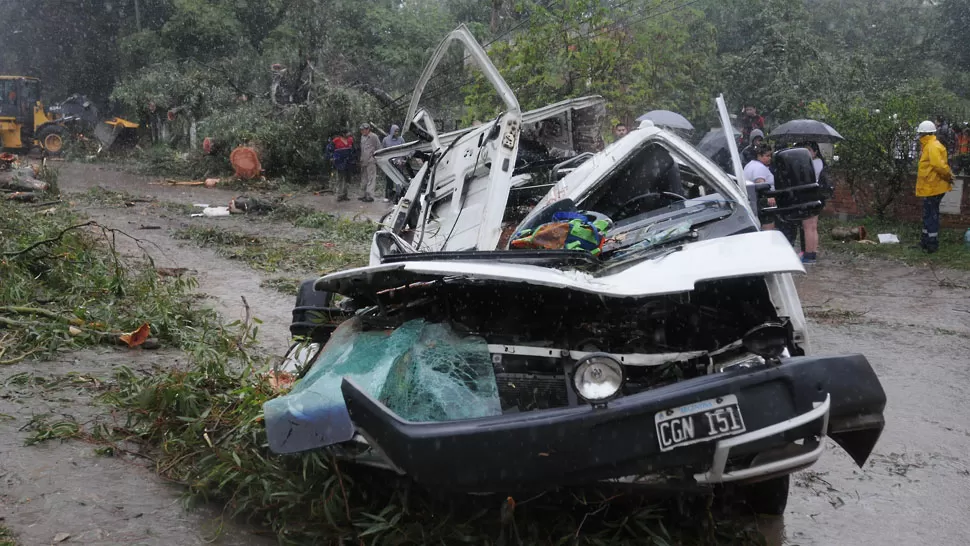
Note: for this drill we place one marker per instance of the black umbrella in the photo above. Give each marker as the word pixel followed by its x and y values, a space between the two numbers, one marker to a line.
pixel 805 129
pixel 714 142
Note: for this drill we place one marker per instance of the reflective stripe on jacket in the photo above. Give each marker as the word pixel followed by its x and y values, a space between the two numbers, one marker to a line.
pixel 934 176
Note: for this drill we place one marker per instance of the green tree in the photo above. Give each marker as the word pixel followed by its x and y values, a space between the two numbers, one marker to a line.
pixel 638 55
pixel 203 30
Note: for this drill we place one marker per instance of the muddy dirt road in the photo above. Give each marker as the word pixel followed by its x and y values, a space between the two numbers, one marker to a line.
pixel 913 324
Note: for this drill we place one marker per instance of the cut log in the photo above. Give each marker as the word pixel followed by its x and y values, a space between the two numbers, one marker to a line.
pixel 22 196
pixel 19 180
pixel 245 162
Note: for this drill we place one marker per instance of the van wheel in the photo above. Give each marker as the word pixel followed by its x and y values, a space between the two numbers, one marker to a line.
pixel 768 497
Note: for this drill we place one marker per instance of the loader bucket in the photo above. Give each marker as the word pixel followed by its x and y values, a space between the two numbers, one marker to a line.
pixel 108 132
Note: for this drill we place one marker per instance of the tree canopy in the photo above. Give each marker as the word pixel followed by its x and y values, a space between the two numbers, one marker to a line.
pixel 224 57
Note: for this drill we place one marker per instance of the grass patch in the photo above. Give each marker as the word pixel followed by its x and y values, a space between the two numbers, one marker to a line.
pixel 182 209
pixel 952 254
pixel 284 285
pixel 275 254
pixel 336 227
pixel 7 537
pixel 101 197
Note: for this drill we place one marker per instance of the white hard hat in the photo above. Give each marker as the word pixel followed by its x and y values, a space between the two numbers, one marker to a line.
pixel 926 127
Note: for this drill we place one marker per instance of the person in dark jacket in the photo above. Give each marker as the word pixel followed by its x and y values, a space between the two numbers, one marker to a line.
pixel 340 151
pixel 750 120
pixel 747 154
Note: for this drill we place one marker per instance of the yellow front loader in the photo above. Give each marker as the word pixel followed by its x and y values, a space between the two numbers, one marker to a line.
pixel 25 125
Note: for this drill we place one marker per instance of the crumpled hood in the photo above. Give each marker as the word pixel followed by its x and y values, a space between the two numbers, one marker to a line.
pixel 756 253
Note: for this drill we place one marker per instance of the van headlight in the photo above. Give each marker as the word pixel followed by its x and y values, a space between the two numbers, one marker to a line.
pixel 598 377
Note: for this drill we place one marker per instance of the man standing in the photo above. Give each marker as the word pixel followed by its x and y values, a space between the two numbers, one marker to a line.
pixel 369 145
pixel 933 179
pixel 340 151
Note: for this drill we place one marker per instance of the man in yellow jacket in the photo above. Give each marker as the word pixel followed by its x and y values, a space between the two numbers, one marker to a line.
pixel 932 181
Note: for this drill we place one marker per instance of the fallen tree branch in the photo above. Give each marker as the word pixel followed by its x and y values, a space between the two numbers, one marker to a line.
pixel 17 359
pixel 52 240
pixel 246 324
pixel 343 490
pixel 17 323
pixel 20 310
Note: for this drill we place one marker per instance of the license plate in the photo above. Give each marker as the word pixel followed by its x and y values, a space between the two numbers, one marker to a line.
pixel 699 422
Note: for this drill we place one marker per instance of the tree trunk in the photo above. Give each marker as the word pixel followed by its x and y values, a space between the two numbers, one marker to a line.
pixel 497 6
pixel 20 180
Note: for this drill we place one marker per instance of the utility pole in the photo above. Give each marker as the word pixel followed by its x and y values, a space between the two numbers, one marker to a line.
pixel 138 15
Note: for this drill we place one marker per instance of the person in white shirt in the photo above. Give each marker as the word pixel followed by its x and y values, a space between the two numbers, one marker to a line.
pixel 757 172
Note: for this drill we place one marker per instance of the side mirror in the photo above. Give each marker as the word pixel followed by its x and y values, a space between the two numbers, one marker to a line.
pixel 797 194
pixel 423 125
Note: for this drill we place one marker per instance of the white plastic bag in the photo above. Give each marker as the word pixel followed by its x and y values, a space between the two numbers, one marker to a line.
pixel 210 212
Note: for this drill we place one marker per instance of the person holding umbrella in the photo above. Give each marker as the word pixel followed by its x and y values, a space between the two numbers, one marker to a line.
pixel 810 225
pixel 933 179
pixel 809 133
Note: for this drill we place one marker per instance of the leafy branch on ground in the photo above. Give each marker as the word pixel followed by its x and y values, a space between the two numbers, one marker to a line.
pixel 65 286
pixel 284 285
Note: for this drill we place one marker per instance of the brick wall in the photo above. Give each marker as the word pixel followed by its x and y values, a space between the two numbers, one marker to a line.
pixel 906 207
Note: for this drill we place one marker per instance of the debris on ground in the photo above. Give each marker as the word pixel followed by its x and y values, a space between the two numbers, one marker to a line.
pixel 212 212
pixel 6 160
pixel 844 233
pixel 23 179
pixel 888 238
pixel 136 337
pixel 249 204
pixel 185 182
pixel 22 196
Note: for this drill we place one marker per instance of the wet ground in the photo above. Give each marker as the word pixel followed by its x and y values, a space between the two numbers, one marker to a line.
pixel 912 323
pixel 914 326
